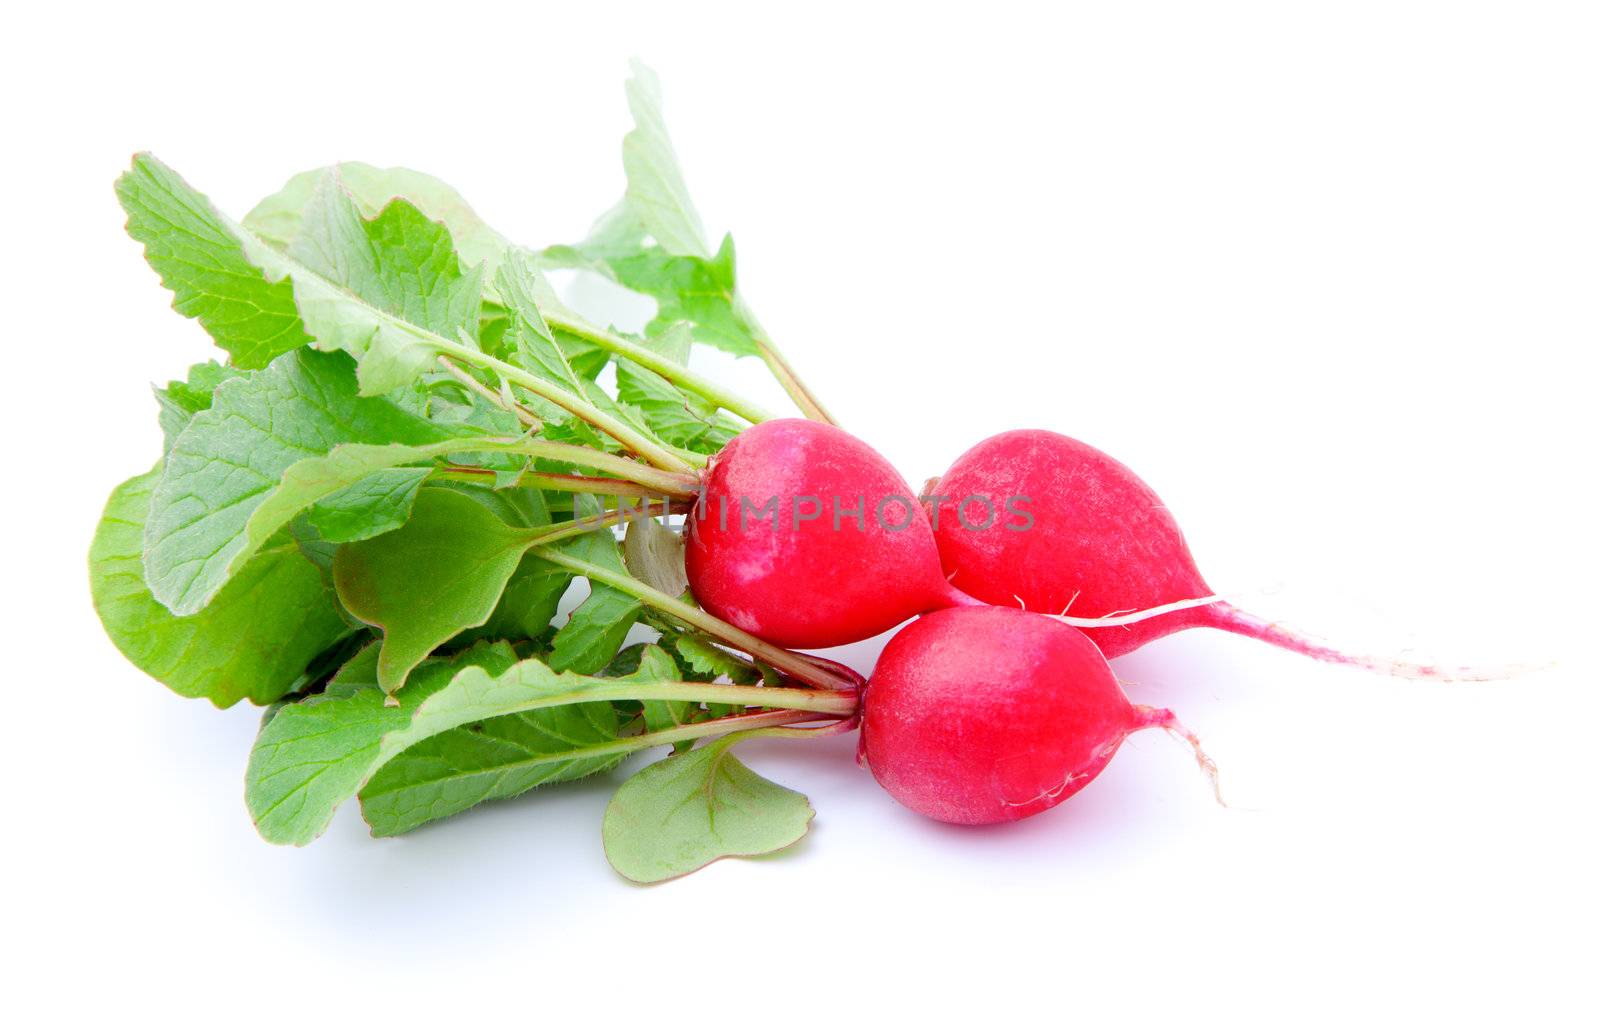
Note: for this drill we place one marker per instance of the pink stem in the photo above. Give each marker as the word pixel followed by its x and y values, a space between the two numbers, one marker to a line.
pixel 952 597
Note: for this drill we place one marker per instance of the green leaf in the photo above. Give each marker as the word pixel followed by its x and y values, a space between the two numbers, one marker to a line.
pixel 656 191
pixel 441 573
pixel 201 256
pixel 381 290
pixel 500 757
pixel 389 291
pixel 181 400
pixel 655 664
pixel 688 810
pixel 704 659
pixel 702 292
pixel 315 753
pixel 600 625
pixel 271 445
pixel 279 218
pixel 362 669
pixel 535 347
pixel 681 418
pixel 530 601
pixel 254 641
pixel 375 504
pixel 688 282
pixel 515 506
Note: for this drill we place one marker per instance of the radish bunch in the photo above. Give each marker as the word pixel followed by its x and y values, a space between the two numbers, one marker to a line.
pixel 366 520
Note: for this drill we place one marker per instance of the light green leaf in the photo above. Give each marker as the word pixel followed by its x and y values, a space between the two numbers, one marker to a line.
pixel 682 418
pixel 618 233
pixel 656 191
pixel 271 445
pixel 688 282
pixel 375 504
pixel 600 625
pixel 389 291
pixel 690 809
pixel 379 290
pixel 441 573
pixel 535 348
pixel 316 753
pixel 201 256
pixel 501 757
pixel 253 641
pixel 278 218
pixel 703 292
pixel 181 400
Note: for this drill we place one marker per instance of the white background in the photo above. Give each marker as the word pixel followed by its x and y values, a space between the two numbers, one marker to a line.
pixel 1325 275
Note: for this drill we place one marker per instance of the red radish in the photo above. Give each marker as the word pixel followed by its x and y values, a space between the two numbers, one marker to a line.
pixel 988 714
pixel 806 537
pixel 1100 544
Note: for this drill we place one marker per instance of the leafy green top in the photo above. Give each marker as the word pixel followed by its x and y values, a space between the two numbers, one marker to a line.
pixel 340 524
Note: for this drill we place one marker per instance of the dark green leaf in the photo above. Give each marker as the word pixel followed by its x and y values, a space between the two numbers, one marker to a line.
pixel 529 603
pixel 375 504
pixel 499 758
pixel 439 574
pixel 600 625
pixel 319 751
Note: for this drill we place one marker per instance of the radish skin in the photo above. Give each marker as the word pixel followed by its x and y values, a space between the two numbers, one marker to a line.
pixel 1101 545
pixel 813 571
pixel 979 715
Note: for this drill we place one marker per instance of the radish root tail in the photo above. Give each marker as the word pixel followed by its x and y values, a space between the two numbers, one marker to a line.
pixel 1117 618
pixel 1230 619
pixel 1150 716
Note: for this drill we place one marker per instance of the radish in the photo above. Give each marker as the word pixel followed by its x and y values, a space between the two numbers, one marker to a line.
pixel 987 714
pixel 806 537
pixel 1100 544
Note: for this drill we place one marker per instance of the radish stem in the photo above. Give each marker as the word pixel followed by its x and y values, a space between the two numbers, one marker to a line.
pixel 789 663
pixel 624 433
pixel 679 482
pixel 780 367
pixel 524 415
pixel 670 369
pixel 556 532
pixel 831 702
pixel 576 483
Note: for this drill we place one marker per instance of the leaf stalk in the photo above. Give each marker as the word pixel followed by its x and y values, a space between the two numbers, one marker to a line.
pixel 669 369
pixel 789 663
pixel 626 435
